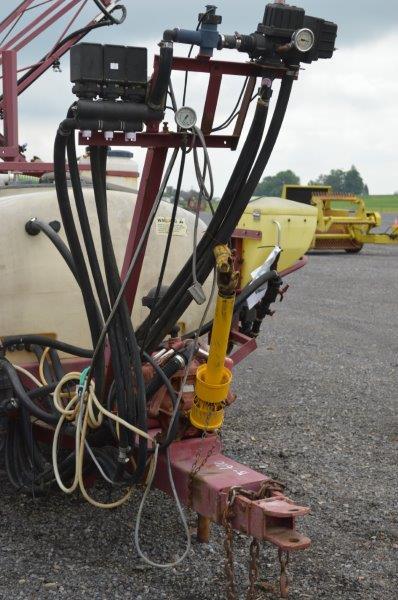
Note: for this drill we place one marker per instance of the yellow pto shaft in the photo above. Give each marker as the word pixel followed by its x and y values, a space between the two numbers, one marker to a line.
pixel 213 379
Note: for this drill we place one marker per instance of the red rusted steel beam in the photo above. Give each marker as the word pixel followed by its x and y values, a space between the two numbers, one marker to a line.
pixel 253 234
pixel 15 14
pixel 209 110
pixel 157 140
pixel 10 103
pixel 42 24
pixel 271 519
pixel 247 345
pixel 298 265
pixel 222 67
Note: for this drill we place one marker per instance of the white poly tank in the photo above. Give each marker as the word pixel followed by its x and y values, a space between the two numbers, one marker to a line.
pixel 38 293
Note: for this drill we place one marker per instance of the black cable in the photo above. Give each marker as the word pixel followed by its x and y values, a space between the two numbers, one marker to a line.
pixel 231 116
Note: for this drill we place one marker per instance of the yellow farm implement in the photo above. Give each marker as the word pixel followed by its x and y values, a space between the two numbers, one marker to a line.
pixel 348 226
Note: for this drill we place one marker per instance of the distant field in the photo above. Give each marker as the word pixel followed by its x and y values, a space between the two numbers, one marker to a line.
pixel 382 203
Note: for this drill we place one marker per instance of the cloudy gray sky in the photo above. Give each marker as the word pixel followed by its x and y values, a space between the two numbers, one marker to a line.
pixel 343 111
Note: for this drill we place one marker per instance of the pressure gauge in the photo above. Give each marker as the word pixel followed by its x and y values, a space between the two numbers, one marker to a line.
pixel 303 40
pixel 185 117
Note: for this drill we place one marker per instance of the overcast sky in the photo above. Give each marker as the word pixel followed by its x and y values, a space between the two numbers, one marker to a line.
pixel 343 111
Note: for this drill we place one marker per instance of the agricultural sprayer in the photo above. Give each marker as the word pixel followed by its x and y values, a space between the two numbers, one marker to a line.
pixel 122 316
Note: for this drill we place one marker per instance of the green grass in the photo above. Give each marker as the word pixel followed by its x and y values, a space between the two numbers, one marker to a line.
pixel 382 203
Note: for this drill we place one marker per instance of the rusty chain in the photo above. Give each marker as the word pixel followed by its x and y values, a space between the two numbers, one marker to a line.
pixel 199 463
pixel 266 490
pixel 284 580
pixel 253 568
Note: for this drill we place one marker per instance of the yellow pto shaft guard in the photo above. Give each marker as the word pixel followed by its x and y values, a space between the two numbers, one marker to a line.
pixel 213 379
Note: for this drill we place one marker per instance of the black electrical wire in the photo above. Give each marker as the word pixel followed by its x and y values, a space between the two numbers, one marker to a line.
pixel 229 119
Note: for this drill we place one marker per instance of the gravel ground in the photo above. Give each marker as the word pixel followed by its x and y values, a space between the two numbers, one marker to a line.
pixel 316 409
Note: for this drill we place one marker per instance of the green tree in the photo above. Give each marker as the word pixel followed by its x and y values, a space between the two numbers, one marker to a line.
pixel 273 184
pixel 336 179
pixel 343 182
pixel 354 183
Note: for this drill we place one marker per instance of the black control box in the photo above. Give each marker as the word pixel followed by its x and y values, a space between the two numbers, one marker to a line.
pixel 108 71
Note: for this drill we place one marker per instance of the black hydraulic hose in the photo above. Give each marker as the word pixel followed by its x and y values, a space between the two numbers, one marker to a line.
pixel 12 341
pixel 123 381
pixel 176 309
pixel 23 396
pixel 269 143
pixel 126 335
pixel 94 264
pixel 55 239
pixel 158 92
pixel 247 291
pixel 236 181
pixel 61 187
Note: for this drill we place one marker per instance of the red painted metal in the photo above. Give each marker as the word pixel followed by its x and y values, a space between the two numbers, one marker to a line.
pixel 43 24
pixel 271 519
pixel 15 14
pixel 10 104
pixel 158 140
pixel 298 265
pixel 213 92
pixel 150 182
pixel 247 345
pixel 253 234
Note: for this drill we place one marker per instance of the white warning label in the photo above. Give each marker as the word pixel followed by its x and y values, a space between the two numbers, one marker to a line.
pixel 163 225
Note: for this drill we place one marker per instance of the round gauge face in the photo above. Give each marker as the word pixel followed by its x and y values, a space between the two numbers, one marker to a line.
pixel 304 40
pixel 185 117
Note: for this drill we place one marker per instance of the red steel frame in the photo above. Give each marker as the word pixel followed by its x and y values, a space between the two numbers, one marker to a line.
pixel 9 147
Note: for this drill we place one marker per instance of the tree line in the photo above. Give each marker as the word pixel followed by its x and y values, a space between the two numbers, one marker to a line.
pixel 342 182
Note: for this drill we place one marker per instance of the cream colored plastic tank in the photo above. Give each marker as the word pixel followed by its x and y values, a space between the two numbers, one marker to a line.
pixel 121 169
pixel 38 294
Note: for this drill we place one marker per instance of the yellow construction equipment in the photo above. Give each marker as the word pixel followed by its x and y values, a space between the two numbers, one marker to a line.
pixel 347 228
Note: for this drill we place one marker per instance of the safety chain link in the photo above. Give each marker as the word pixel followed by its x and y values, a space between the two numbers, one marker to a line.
pixel 284 579
pixel 253 568
pixel 199 463
pixel 267 489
